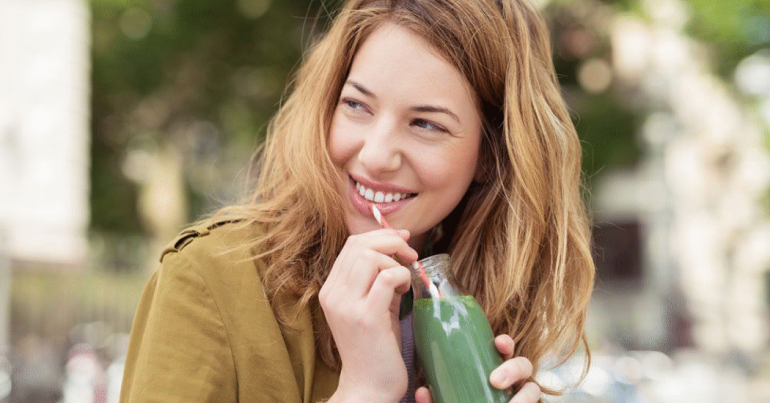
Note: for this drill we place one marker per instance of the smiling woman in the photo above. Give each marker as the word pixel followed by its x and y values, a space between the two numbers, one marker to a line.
pixel 460 137
pixel 395 129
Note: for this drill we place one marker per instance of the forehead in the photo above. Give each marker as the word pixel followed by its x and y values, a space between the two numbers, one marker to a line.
pixel 394 58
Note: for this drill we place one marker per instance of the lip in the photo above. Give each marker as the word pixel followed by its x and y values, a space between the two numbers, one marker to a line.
pixel 381 186
pixel 363 206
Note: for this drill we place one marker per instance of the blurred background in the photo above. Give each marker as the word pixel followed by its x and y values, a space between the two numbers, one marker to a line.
pixel 122 120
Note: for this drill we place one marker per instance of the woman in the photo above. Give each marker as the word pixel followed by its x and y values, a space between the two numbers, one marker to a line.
pixel 447 116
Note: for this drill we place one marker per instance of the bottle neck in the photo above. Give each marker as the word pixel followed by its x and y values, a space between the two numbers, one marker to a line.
pixel 437 266
pixel 438 270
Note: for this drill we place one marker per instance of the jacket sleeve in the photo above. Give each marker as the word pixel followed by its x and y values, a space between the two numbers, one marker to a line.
pixel 179 349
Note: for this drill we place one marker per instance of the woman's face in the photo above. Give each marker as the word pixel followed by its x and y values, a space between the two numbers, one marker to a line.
pixel 405 135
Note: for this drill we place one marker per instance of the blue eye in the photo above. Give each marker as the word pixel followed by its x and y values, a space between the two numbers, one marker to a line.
pixel 426 125
pixel 353 104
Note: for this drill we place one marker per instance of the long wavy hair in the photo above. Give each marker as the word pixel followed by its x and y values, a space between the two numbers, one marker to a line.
pixel 519 239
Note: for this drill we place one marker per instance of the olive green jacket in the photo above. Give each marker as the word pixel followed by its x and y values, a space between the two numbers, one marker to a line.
pixel 205 332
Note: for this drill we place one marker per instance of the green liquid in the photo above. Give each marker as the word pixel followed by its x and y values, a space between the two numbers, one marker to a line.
pixel 457 350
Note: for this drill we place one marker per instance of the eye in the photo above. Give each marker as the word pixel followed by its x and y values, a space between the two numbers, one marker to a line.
pixel 353 105
pixel 426 125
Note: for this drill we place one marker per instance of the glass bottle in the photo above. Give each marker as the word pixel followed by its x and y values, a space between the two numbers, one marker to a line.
pixel 453 338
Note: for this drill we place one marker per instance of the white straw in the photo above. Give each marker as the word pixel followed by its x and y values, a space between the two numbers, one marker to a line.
pixel 434 292
pixel 377 215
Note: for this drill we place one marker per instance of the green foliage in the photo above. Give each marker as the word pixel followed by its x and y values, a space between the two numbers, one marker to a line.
pixel 606 122
pixel 733 29
pixel 158 67
pixel 607 131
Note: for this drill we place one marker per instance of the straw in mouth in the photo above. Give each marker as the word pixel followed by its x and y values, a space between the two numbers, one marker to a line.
pixel 380 219
pixel 434 291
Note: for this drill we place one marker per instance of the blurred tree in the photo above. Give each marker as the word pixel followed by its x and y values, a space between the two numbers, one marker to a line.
pixel 605 116
pixel 733 29
pixel 608 117
pixel 201 76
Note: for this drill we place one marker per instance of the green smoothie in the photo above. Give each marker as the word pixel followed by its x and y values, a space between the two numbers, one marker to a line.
pixel 457 350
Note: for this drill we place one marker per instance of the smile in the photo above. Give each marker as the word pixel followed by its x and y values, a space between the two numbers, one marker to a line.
pixel 388 197
pixel 381 197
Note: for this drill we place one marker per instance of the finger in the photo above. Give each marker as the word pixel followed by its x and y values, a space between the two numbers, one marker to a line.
pixel 346 272
pixel 422 395
pixel 505 345
pixel 406 255
pixel 529 393
pixel 364 270
pixel 401 236
pixel 390 242
pixel 383 290
pixel 382 241
pixel 510 372
pixel 333 278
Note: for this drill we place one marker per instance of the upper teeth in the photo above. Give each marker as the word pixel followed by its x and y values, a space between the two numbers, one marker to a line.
pixel 379 197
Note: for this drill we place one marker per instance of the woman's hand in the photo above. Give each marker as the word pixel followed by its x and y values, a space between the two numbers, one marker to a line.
pixel 509 373
pixel 360 300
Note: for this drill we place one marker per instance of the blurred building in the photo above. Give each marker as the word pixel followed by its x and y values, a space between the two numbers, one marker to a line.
pixel 44 129
pixel 44 151
pixel 685 236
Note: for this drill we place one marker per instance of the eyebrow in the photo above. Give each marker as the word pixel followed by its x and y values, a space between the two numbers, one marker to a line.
pixel 436 109
pixel 417 108
pixel 361 88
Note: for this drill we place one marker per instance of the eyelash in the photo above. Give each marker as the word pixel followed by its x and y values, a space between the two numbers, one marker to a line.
pixel 353 105
pixel 431 126
pixel 422 124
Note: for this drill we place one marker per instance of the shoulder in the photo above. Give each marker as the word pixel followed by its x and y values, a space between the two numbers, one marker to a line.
pixel 221 237
pixel 213 243
pixel 194 316
pixel 218 252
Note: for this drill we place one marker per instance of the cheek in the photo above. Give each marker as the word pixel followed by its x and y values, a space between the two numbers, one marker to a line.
pixel 341 143
pixel 453 170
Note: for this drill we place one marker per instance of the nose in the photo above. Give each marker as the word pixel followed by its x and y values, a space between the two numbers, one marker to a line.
pixel 381 150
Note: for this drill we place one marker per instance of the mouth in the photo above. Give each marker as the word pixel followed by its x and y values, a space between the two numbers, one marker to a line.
pixel 388 198
pixel 380 196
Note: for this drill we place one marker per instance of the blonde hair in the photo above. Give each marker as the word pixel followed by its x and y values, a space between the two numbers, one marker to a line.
pixel 520 238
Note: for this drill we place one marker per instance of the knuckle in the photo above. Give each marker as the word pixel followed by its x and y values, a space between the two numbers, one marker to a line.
pixel 349 241
pixel 402 274
pixel 354 240
pixel 369 254
pixel 329 307
pixel 387 277
pixel 526 365
pixel 323 296
pixel 360 321
pixel 522 367
pixel 393 276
